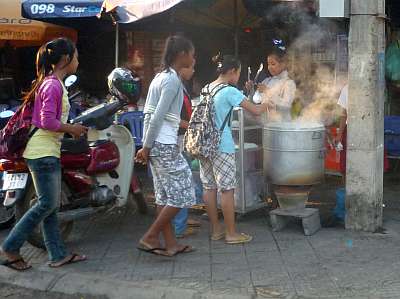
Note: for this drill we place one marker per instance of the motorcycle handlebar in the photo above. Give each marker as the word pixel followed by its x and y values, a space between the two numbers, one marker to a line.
pixel 98 116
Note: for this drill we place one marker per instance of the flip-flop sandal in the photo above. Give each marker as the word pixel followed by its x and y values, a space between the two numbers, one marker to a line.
pixel 155 250
pixel 11 264
pixel 185 249
pixel 216 237
pixel 190 231
pixel 193 223
pixel 244 238
pixel 148 249
pixel 73 259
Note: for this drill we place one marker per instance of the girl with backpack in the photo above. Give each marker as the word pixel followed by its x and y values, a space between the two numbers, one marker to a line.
pixel 219 173
pixel 54 61
pixel 172 176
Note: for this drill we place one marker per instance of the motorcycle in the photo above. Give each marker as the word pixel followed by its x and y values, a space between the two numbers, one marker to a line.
pixel 7 215
pixel 97 172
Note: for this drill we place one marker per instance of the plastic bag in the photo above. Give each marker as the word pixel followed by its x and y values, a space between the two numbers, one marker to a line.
pixel 392 64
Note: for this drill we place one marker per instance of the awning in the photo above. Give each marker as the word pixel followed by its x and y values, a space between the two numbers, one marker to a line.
pixel 43 9
pixel 129 11
pixel 225 14
pixel 17 31
pixel 228 14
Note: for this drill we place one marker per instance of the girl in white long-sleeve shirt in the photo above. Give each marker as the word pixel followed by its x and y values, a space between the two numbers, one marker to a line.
pixel 278 90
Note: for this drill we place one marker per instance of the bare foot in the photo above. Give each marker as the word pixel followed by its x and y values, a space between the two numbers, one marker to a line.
pixel 150 242
pixel 14 261
pixel 9 255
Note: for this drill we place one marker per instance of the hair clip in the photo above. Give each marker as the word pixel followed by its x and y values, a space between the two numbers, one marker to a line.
pixel 219 64
pixel 279 43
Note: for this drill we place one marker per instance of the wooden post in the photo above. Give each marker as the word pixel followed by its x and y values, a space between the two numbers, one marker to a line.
pixel 364 180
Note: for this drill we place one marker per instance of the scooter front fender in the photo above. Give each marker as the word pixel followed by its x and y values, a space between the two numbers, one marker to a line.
pixel 13 195
pixel 121 183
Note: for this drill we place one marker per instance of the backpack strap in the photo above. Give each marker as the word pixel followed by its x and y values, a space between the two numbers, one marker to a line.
pixel 33 132
pixel 226 120
pixel 212 93
pixel 206 90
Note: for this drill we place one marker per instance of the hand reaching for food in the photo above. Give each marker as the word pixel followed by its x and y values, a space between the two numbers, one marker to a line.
pixel 262 88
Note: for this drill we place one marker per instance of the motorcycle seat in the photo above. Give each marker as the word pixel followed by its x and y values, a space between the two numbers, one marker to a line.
pixel 74 146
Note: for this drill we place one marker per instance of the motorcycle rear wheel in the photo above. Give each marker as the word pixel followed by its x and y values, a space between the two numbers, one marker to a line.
pixel 22 206
pixel 7 216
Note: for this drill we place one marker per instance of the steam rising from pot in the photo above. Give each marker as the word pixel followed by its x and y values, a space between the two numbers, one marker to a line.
pixel 312 58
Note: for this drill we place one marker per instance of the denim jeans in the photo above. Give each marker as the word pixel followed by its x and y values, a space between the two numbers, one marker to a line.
pixel 180 221
pixel 46 175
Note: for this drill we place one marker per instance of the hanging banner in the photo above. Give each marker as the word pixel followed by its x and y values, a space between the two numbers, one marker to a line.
pixel 43 9
pixel 17 31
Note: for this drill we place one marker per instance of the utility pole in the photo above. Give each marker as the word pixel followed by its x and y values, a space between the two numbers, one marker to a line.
pixel 364 179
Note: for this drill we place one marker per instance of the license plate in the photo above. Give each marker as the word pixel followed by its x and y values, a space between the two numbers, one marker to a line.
pixel 14 181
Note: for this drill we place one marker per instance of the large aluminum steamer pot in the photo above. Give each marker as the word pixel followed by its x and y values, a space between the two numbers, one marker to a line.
pixel 294 153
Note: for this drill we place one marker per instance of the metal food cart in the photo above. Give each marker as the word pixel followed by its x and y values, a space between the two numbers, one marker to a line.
pixel 252 189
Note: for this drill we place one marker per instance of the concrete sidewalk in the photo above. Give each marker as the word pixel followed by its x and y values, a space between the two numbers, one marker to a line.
pixel 333 263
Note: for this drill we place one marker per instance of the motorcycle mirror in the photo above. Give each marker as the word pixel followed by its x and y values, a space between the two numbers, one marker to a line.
pixel 6 114
pixel 70 80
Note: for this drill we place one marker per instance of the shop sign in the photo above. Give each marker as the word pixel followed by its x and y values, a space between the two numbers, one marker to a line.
pixel 51 10
pixel 20 21
pixel 20 35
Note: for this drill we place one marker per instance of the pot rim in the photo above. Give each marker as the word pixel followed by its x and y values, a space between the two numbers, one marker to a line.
pixel 294 126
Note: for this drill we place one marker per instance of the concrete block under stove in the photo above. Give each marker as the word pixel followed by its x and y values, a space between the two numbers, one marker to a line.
pixel 292 204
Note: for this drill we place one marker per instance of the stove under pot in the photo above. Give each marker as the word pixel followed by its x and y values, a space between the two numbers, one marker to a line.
pixel 292 204
pixel 292 197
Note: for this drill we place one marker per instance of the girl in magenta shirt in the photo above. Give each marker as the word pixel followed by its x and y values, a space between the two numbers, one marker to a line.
pixel 55 60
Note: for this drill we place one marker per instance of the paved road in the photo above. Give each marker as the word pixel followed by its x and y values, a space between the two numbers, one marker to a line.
pixel 9 291
pixel 333 263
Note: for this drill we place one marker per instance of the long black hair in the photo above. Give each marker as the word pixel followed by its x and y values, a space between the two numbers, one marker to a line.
pixel 225 63
pixel 47 57
pixel 173 46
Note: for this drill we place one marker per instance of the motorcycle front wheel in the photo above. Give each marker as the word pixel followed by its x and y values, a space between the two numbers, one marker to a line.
pixel 22 206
